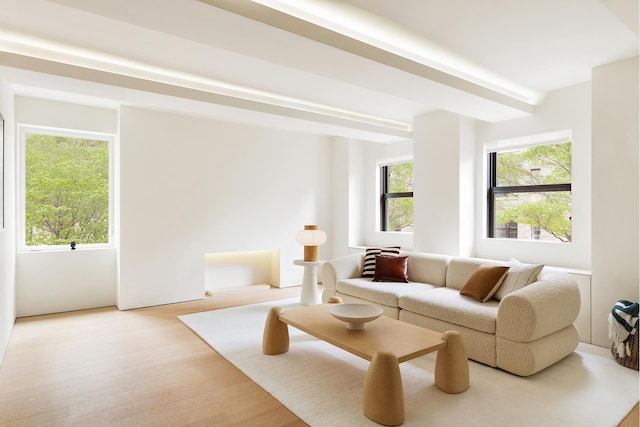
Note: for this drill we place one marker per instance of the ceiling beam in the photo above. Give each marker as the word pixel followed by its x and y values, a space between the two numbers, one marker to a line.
pixel 309 30
pixel 153 86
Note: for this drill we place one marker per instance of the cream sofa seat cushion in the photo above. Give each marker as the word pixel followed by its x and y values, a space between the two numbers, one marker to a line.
pixel 448 305
pixel 480 346
pixel 387 293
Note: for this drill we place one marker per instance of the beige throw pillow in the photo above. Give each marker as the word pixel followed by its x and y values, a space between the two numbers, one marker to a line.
pixel 518 276
pixel 484 282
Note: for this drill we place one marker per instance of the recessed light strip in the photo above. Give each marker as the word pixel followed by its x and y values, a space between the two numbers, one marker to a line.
pixel 20 44
pixel 384 34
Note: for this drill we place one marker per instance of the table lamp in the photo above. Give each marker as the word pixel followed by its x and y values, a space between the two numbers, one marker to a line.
pixel 311 238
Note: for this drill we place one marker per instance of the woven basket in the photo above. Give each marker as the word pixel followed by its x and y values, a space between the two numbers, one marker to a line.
pixel 628 361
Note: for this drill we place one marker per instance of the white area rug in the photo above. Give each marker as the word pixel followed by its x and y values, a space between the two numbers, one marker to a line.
pixel 322 384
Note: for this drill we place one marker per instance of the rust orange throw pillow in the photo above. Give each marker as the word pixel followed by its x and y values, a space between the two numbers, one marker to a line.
pixel 484 282
pixel 391 269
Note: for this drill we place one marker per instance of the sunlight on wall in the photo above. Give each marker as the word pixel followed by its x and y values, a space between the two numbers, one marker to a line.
pixel 235 269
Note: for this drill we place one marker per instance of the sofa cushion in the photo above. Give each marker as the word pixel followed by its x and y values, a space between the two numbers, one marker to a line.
pixel 479 346
pixel 387 293
pixel 448 305
pixel 461 269
pixel 526 359
pixel 518 276
pixel 539 309
pixel 369 262
pixel 484 282
pixel 391 269
pixel 427 268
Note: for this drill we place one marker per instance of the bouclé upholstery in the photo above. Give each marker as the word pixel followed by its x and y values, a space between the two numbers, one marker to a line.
pixel 526 331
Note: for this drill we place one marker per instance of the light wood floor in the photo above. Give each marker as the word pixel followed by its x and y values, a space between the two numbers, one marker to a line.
pixel 131 368
pixel 105 367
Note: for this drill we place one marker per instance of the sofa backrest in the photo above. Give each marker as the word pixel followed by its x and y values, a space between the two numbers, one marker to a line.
pixel 427 268
pixel 460 269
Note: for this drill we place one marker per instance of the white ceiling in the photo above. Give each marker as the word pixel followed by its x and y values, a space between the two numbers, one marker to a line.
pixel 356 68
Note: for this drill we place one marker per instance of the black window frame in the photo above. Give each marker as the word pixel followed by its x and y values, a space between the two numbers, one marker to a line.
pixel 385 195
pixel 493 190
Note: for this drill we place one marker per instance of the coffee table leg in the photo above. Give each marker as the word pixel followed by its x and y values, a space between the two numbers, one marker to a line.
pixel 383 398
pixel 275 339
pixel 452 366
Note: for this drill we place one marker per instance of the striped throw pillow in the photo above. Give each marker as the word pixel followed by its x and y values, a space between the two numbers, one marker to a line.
pixel 369 264
pixel 518 276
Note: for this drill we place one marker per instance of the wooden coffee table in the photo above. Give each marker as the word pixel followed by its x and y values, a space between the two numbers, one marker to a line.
pixel 386 343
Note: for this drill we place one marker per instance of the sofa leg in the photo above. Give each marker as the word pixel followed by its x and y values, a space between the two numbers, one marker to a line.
pixel 452 366
pixel 275 339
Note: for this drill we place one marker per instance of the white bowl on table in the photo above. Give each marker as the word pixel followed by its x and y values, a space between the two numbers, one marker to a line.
pixel 355 315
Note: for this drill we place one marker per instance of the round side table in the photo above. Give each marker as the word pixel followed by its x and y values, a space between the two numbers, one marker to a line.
pixel 309 294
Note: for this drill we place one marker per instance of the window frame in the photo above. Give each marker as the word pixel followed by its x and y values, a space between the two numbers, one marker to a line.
pixel 23 131
pixel 493 189
pixel 385 195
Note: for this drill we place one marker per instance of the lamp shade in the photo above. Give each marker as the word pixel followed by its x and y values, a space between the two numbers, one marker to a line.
pixel 311 238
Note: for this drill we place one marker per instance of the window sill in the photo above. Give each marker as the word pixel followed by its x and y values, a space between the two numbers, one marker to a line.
pixel 65 249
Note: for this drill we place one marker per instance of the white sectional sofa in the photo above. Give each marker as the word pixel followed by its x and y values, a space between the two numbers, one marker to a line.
pixel 523 332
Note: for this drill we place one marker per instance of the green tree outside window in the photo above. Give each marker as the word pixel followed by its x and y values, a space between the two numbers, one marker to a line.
pixel 540 166
pixel 66 190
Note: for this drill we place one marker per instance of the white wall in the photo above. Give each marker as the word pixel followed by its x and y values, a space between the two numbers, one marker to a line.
pixel 55 281
pixel 615 192
pixel 7 235
pixel 443 183
pixel 190 186
pixel 341 200
pixel 568 108
pixel 66 280
pixel 352 189
pixel 65 115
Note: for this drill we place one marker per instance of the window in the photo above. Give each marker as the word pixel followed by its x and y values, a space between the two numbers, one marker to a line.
pixel 65 188
pixel 396 199
pixel 506 231
pixel 529 193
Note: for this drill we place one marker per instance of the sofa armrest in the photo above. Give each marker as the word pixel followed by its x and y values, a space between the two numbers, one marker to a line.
pixel 347 267
pixel 539 309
